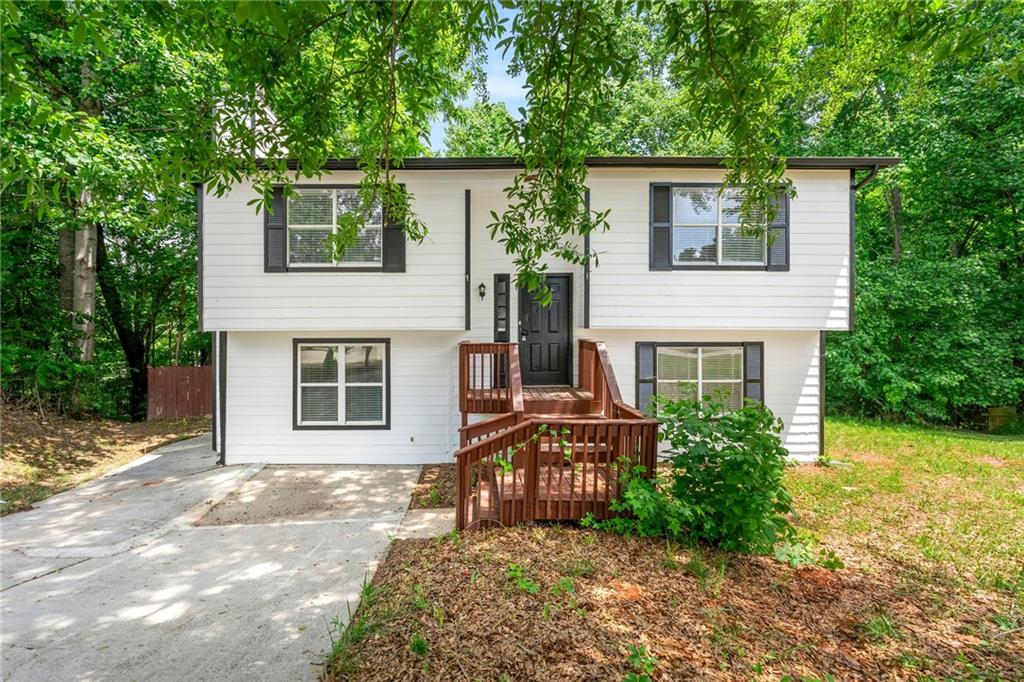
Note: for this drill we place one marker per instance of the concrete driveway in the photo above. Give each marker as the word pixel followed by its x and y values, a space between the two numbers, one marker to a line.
pixel 129 578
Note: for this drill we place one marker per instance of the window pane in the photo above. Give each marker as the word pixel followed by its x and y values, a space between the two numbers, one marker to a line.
pixel 644 399
pixel 730 395
pixel 364 403
pixel 318 364
pixel 367 248
pixel 694 245
pixel 364 364
pixel 694 206
pixel 678 390
pixel 677 363
pixel 723 363
pixel 307 246
pixel 731 200
pixel 310 207
pixel 349 201
pixel 738 248
pixel 319 404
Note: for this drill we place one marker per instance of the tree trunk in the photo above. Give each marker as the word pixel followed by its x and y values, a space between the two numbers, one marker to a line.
pixel 83 296
pixel 894 201
pixel 132 341
pixel 66 256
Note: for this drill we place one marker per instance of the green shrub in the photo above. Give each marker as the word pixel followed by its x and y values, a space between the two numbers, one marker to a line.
pixel 725 485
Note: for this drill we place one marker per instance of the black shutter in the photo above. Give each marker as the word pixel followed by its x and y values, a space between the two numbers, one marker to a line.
pixel 275 234
pixel 778 236
pixel 661 227
pixel 393 246
pixel 753 371
pixel 645 376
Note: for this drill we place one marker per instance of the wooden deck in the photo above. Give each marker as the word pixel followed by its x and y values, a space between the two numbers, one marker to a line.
pixel 548 452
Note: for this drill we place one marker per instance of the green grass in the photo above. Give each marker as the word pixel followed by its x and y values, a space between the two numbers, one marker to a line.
pixel 933 497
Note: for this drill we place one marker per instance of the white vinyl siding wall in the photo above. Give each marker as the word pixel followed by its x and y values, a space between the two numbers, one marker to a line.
pixel 812 295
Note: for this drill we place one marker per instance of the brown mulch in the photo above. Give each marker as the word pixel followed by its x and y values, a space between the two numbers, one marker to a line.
pixel 702 614
pixel 436 487
pixel 46 454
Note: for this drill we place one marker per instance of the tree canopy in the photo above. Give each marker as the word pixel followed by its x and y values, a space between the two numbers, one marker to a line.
pixel 112 110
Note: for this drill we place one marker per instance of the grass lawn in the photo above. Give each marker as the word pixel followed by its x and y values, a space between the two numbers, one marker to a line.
pixel 930 525
pixel 43 456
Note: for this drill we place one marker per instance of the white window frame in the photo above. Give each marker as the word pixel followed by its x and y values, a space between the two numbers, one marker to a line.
pixel 340 346
pixel 333 227
pixel 718 262
pixel 700 381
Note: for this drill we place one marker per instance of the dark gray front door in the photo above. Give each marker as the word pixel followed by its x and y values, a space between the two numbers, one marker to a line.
pixel 545 334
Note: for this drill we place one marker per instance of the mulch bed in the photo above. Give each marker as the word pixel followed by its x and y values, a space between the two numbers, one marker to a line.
pixel 702 614
pixel 46 454
pixel 436 488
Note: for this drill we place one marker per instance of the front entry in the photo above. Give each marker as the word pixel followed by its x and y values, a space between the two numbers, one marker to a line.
pixel 545 334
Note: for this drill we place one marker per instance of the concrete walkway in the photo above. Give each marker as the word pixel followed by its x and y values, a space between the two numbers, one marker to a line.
pixel 113 581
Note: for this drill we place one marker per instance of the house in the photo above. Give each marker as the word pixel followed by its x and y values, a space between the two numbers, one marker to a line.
pixel 373 359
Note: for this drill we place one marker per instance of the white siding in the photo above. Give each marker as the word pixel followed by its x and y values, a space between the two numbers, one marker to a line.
pixel 424 390
pixel 813 294
pixel 259 397
pixel 239 296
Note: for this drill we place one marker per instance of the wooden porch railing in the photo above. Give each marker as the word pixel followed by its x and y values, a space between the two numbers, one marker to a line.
pixel 597 376
pixel 489 378
pixel 550 470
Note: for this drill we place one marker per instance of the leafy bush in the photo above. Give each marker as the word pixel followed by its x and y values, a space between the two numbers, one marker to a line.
pixel 934 342
pixel 725 485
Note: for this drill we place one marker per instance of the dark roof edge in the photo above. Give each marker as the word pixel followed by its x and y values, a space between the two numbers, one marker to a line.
pixel 503 162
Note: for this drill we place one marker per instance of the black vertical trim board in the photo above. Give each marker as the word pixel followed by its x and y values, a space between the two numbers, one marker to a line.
pixel 296 426
pixel 853 246
pixel 215 398
pixel 275 234
pixel 222 377
pixel 469 271
pixel 821 394
pixel 199 252
pixel 586 267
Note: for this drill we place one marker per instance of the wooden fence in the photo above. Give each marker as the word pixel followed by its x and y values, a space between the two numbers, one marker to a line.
pixel 180 391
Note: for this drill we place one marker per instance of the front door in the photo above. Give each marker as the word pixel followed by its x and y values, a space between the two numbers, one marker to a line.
pixel 545 334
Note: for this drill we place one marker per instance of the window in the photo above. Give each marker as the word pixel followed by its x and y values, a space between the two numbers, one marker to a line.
pixel 706 229
pixel 314 214
pixel 342 383
pixel 725 373
pixel 501 307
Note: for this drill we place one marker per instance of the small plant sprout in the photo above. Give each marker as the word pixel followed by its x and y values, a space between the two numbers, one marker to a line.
pixel 419 598
pixel 879 628
pixel 517 574
pixel 642 663
pixel 563 587
pixel 418 644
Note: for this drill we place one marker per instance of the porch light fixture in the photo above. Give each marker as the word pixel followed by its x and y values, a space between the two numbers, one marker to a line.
pixel 482 289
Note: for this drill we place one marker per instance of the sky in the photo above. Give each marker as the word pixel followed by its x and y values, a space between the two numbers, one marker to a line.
pixel 500 87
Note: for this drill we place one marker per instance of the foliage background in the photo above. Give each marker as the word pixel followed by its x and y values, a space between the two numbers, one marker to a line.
pixel 108 118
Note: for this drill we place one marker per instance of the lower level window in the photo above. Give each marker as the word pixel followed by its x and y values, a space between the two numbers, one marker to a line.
pixel 720 373
pixel 341 383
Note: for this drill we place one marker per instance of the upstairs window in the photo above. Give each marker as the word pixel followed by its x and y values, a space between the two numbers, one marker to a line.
pixel 313 215
pixel 706 229
pixel 341 384
pixel 697 226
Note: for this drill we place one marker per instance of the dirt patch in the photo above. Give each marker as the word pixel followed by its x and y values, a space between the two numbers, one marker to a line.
pixel 45 454
pixel 436 487
pixel 560 603
pixel 315 493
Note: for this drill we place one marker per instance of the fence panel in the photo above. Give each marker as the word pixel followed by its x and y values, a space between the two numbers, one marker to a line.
pixel 180 392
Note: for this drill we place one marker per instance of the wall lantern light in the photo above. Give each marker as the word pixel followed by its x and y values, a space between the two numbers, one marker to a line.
pixel 482 289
